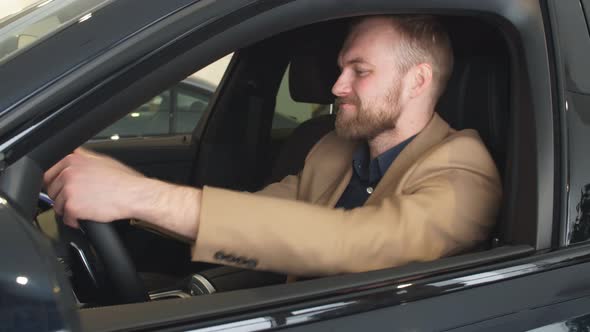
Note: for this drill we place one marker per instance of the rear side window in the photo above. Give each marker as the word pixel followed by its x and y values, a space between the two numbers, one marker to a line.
pixel 190 105
pixel 175 111
pixel 149 119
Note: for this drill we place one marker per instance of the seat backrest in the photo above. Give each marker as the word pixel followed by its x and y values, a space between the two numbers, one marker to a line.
pixel 477 98
pixel 292 155
pixel 477 94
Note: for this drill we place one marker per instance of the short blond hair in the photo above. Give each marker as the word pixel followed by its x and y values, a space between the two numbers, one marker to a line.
pixel 424 39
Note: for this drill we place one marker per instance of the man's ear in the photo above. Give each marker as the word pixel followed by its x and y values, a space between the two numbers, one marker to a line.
pixel 420 79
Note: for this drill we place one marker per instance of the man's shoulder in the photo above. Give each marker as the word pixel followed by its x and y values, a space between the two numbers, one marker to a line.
pixel 331 144
pixel 461 148
pixel 464 140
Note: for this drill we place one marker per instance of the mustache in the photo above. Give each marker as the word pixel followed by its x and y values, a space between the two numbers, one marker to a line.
pixel 347 100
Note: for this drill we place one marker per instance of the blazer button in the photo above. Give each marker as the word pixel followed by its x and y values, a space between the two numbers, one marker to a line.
pixel 232 259
pixel 251 263
pixel 220 256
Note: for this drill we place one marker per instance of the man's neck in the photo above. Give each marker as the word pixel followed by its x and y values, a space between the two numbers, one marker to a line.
pixel 404 129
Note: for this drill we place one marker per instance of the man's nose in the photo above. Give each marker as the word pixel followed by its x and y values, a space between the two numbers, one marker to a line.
pixel 341 88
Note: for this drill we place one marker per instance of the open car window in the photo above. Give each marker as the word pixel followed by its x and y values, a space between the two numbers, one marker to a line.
pixel 175 111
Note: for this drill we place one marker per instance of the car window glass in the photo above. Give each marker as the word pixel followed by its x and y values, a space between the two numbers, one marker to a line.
pixel 151 118
pixel 190 105
pixel 175 111
pixel 289 113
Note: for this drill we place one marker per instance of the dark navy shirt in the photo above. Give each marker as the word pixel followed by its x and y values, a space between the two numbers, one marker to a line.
pixel 367 173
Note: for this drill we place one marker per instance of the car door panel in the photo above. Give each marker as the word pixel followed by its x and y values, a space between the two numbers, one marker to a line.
pixel 529 302
pixel 567 316
pixel 169 158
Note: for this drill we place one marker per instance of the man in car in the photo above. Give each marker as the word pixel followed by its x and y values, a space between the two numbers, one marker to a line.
pixel 393 184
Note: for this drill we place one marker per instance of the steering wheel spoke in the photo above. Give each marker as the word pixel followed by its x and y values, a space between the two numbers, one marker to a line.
pixel 118 265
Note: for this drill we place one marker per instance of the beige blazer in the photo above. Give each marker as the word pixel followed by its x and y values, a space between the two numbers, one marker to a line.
pixel 439 197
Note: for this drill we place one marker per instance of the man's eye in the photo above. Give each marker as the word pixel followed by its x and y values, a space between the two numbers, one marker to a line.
pixel 360 72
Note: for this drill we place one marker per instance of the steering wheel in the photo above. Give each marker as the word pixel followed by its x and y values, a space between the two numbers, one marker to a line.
pixel 119 267
pixel 117 263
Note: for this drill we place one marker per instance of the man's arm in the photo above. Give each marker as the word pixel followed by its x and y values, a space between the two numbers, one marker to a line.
pixel 446 203
pixel 285 189
pixel 444 207
pixel 90 186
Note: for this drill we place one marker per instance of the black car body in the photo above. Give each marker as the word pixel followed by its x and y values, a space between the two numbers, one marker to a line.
pixel 522 78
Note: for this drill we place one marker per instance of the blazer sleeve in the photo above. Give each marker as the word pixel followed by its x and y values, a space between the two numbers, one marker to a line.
pixel 285 189
pixel 447 205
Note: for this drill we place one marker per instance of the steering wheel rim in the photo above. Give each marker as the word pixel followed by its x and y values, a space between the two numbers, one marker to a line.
pixel 116 260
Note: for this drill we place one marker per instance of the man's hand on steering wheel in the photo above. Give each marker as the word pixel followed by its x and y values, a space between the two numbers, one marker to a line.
pixel 89 186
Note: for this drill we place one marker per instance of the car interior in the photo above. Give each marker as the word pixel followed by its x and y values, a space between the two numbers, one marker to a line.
pixel 234 146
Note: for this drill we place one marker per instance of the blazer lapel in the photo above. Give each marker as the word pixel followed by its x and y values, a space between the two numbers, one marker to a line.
pixel 334 191
pixel 324 183
pixel 434 132
pixel 339 187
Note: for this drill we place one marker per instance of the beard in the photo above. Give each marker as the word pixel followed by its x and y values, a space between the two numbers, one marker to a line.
pixel 370 120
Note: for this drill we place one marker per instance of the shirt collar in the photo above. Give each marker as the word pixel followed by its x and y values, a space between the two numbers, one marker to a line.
pixel 373 170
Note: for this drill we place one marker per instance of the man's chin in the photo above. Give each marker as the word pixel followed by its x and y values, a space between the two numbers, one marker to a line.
pixel 357 131
pixel 348 132
pixel 349 126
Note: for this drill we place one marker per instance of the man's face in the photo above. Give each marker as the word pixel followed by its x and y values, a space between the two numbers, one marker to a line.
pixel 368 89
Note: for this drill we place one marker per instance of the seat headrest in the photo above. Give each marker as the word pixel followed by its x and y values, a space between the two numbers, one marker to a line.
pixel 313 68
pixel 311 79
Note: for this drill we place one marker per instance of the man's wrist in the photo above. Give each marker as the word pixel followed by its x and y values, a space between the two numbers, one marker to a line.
pixel 171 207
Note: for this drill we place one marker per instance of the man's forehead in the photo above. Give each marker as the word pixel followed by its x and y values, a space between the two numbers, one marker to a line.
pixel 373 22
pixel 353 53
pixel 344 60
pixel 368 33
